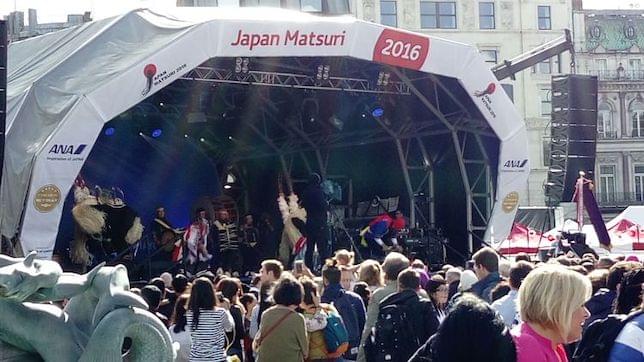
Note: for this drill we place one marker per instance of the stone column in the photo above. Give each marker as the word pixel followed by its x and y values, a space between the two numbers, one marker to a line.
pixel 626 171
pixel 623 115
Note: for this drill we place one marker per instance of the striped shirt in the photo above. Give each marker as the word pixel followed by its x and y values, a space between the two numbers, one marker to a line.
pixel 209 338
pixel 629 345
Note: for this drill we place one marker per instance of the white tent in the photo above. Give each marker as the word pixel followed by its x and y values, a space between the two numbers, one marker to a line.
pixel 63 87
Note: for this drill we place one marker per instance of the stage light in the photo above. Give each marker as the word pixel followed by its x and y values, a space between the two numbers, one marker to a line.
pixel 140 133
pixel 202 139
pixel 157 133
pixel 185 136
pixel 110 131
pixel 230 178
pixel 230 138
pixel 364 115
pixel 377 111
pixel 161 104
pixel 228 187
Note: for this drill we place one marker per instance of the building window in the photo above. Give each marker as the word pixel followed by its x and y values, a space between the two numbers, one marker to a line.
pixel 544 17
pixel 637 116
pixel 438 14
pixel 639 182
pixel 486 15
pixel 388 13
pixel 544 96
pixel 548 66
pixel 605 128
pixel 635 69
pixel 490 55
pixel 311 6
pixel 607 183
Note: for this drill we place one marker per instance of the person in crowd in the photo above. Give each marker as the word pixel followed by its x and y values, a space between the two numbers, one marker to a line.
pixel 196 239
pixel 629 344
pixel 315 203
pixel 501 290
pixel 165 307
pixel 344 257
pixel 348 304
pixel 315 313
pixel 522 257
pixel 152 296
pixel 507 305
pixel 248 300
pixel 250 243
pixel 380 227
pixel 602 303
pixel 468 279
pixel 629 295
pixel 486 267
pixel 453 278
pixel 598 279
pixel 370 273
pixel 230 288
pixel 282 332
pixel 438 290
pixel 230 255
pixel 179 330
pixel 347 277
pixel 270 271
pixel 475 323
pixel 504 268
pixel 269 236
pixel 551 306
pixel 422 272
pixel 604 263
pixel 393 264
pixel 208 323
pixel 362 289
pixel 419 319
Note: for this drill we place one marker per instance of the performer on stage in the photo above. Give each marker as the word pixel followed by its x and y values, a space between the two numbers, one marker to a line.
pixel 250 243
pixel 316 206
pixel 197 239
pixel 230 255
pixel 166 237
pixel 381 226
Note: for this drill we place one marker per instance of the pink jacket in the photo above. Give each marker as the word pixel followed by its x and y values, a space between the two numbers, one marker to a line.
pixel 532 347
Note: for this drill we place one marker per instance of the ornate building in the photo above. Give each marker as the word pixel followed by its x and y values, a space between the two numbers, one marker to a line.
pixel 610 45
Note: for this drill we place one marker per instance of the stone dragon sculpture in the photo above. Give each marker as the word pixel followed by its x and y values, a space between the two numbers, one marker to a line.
pixel 101 313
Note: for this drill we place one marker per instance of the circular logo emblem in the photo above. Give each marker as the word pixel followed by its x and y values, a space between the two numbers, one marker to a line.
pixel 510 202
pixel 47 197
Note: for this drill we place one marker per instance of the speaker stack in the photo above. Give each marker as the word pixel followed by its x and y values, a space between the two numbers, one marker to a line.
pixel 573 135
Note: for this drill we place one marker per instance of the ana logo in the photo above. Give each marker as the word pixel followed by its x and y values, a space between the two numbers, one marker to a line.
pixel 67 149
pixel 515 163
pixel 490 89
pixel 149 71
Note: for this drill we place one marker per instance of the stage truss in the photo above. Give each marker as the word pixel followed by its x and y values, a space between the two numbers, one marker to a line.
pixel 410 137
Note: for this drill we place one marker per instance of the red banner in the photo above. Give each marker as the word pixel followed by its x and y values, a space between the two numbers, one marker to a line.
pixel 401 49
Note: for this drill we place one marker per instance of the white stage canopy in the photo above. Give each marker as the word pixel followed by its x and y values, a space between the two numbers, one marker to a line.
pixel 63 87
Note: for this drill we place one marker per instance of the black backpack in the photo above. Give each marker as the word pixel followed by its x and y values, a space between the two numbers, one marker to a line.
pixel 599 338
pixel 393 338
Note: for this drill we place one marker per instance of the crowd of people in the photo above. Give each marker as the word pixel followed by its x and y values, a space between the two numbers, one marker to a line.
pixel 566 309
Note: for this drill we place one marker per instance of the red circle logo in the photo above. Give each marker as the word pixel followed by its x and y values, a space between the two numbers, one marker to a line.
pixel 150 70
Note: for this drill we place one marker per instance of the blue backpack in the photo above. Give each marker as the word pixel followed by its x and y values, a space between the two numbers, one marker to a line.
pixel 335 336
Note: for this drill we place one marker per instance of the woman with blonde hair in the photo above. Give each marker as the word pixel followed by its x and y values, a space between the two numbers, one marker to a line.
pixel 370 272
pixel 551 304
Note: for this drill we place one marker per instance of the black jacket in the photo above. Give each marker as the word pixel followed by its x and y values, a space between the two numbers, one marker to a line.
pixel 424 321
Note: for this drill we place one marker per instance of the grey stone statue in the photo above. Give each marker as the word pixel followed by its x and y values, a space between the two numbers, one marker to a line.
pixel 100 314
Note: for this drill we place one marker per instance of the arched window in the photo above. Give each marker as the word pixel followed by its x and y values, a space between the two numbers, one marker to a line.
pixel 636 111
pixel 605 127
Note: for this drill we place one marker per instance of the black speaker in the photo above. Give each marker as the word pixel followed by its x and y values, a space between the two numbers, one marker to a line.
pixel 573 134
pixel 3 90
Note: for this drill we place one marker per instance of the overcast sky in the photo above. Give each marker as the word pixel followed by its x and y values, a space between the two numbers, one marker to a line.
pixel 57 10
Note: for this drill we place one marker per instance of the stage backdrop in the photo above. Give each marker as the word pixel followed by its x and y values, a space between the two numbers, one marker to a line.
pixel 64 86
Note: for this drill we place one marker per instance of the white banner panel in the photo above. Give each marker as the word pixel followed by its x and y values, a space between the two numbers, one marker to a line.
pixel 514 163
pixel 54 172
